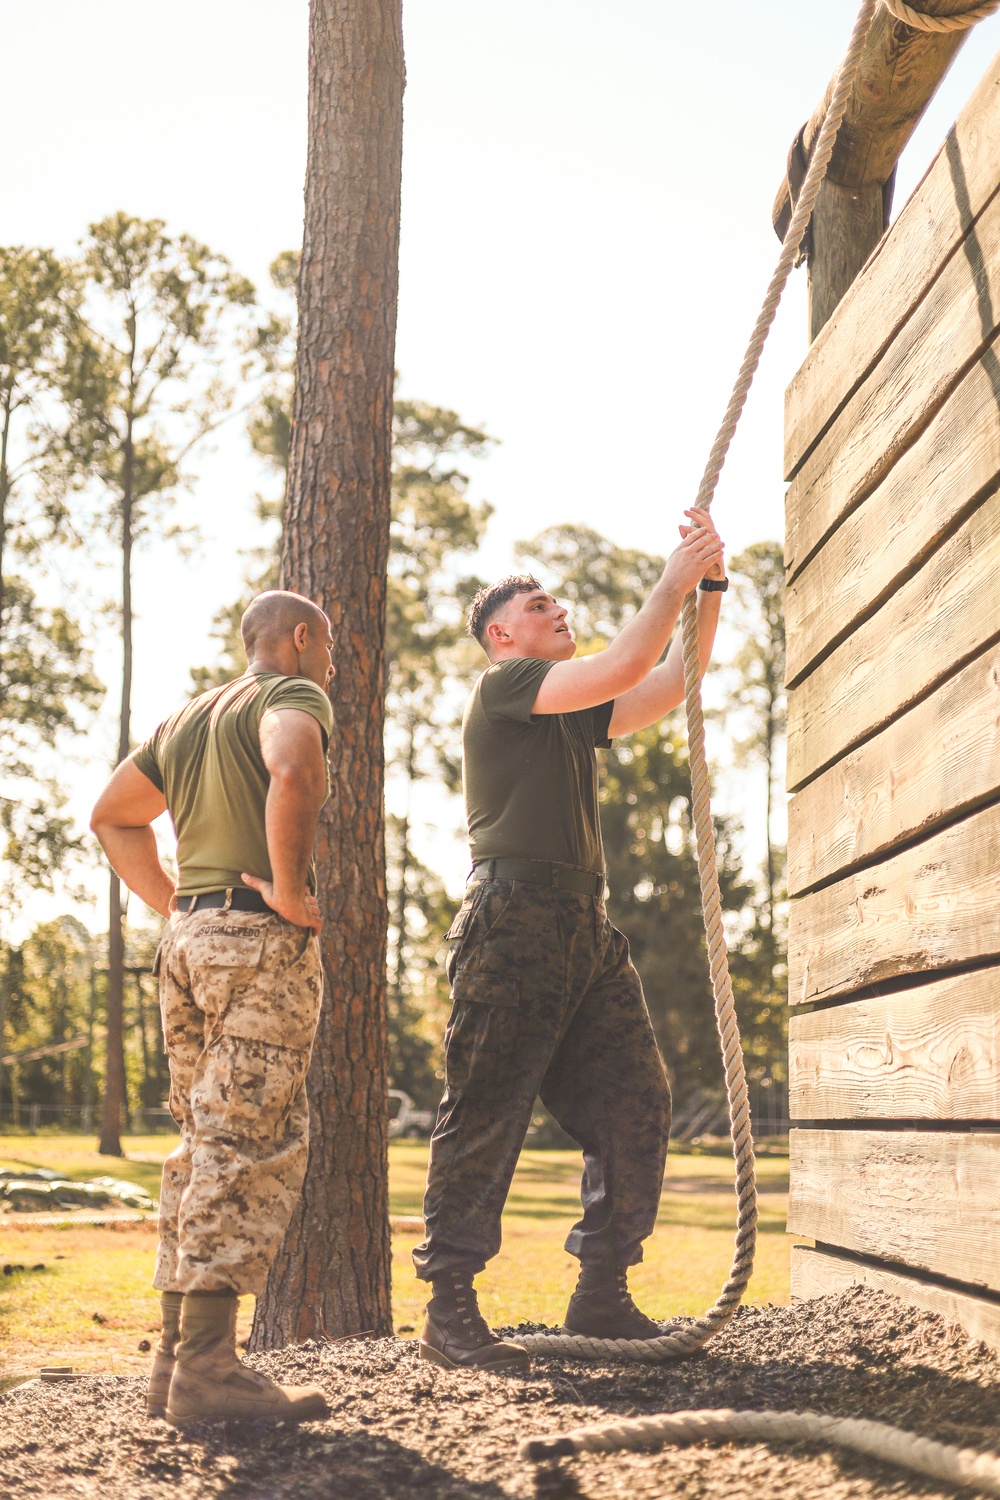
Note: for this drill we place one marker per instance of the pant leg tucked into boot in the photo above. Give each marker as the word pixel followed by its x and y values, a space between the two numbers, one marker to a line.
pixel 456 1333
pixel 601 1307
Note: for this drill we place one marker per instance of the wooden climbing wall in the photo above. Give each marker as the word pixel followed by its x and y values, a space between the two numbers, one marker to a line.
pixel 893 617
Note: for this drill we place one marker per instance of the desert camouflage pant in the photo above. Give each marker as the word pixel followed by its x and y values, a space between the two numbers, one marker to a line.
pixel 547 1003
pixel 239 1000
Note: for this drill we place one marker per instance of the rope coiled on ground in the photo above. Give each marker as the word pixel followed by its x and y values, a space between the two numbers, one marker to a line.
pixel 920 21
pixel 954 1466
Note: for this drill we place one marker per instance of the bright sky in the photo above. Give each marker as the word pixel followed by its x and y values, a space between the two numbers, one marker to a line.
pixel 586 240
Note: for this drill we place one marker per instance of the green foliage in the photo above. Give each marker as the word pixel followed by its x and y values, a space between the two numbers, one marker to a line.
pixel 46 686
pixel 38 299
pixel 46 692
pixel 141 380
pixel 52 991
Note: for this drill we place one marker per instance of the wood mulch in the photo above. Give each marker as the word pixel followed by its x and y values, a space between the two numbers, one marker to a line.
pixel 402 1428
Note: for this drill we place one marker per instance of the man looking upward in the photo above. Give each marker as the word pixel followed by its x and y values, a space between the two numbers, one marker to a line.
pixel 546 1000
pixel 243 772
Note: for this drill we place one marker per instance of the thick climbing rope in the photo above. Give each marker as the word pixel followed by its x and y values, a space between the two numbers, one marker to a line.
pixel 955 1466
pixel 678 1340
pixel 920 21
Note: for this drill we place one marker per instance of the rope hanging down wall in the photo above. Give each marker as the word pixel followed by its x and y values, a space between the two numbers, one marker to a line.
pixel 955 1466
pixel 679 1340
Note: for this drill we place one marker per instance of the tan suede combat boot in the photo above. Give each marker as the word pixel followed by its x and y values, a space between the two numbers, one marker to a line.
pixel 166 1354
pixel 210 1384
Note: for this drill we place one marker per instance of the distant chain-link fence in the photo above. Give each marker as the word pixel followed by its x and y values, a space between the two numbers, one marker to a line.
pixel 79 1118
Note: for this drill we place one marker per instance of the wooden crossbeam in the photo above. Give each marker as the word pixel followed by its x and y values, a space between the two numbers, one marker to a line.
pixel 900 71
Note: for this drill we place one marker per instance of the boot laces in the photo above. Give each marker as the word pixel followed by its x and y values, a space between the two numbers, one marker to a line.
pixel 624 1295
pixel 467 1306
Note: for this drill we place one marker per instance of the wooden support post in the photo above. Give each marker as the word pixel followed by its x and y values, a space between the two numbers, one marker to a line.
pixel 846 225
pixel 900 71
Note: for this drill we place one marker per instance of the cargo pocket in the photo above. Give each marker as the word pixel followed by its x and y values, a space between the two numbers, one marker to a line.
pixel 486 1023
pixel 247 1088
pixel 457 936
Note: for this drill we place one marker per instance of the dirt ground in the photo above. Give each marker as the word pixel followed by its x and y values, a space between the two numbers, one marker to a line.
pixel 403 1428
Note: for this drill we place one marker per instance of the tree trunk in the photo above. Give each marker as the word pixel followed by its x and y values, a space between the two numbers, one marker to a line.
pixel 332 1274
pixel 114 1083
pixel 4 496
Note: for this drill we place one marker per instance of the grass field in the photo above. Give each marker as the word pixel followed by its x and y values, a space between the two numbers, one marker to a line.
pixel 84 1296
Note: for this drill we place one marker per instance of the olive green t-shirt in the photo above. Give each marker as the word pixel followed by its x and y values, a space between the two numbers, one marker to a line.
pixel 207 762
pixel 531 779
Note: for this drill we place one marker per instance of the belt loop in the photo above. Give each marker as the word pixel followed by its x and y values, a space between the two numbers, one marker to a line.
pixel 554 875
pixel 229 900
pixel 191 906
pixel 491 865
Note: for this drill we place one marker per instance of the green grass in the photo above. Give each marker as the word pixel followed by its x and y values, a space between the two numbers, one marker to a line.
pixel 48 1315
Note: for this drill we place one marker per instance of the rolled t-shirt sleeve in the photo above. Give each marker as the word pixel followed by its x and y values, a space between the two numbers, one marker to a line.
pixel 144 759
pixel 304 694
pixel 508 690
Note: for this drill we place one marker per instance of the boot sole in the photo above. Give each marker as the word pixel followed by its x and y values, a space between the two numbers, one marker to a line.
pixel 159 1412
pixel 506 1366
pixel 318 1412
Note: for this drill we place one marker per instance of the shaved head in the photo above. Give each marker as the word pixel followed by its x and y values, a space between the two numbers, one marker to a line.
pixel 272 617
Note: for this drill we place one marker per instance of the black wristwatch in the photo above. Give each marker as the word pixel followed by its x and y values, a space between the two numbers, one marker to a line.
pixel 714 585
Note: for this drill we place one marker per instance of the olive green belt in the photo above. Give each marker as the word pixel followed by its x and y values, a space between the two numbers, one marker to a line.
pixel 541 872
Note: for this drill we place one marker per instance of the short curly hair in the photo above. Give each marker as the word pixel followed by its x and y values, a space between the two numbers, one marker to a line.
pixel 492 598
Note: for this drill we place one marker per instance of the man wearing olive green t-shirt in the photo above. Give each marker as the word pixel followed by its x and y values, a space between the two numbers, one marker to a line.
pixel 546 1000
pixel 242 770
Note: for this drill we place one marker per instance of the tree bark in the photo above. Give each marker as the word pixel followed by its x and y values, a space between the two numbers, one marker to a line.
pixel 332 1274
pixel 114 1083
pixel 5 421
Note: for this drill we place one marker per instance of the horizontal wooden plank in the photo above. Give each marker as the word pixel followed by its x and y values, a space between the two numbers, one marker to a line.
pixel 961 179
pixel 924 1199
pixel 934 906
pixel 942 755
pixel 937 480
pixel 902 393
pixel 943 614
pixel 821 1273
pixel 930 1053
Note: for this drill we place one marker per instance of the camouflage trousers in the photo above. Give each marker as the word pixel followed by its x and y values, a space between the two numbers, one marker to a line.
pixel 547 1003
pixel 239 1000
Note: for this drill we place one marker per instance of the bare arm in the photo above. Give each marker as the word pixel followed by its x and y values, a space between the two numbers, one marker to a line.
pixel 291 743
pixel 663 689
pixel 632 655
pixel 121 820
